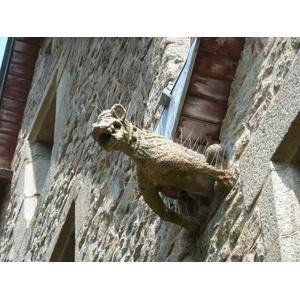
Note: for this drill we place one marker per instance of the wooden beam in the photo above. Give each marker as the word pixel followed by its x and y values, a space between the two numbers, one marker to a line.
pixel 5 175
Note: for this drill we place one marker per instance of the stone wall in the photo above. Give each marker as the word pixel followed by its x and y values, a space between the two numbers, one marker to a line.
pixel 83 195
pixel 263 104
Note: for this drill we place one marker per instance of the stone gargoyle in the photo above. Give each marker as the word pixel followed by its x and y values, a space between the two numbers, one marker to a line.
pixel 162 165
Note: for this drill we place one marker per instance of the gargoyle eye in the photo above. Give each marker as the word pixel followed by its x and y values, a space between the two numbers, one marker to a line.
pixel 117 125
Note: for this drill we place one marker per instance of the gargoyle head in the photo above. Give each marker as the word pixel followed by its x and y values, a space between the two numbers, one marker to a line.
pixel 109 129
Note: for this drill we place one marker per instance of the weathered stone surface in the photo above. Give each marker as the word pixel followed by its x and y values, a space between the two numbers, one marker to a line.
pixel 276 123
pixel 280 207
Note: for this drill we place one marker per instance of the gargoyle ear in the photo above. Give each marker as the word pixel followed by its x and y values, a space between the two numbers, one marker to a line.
pixel 119 111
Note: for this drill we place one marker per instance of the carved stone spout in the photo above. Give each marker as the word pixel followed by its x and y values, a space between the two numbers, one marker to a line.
pixel 162 165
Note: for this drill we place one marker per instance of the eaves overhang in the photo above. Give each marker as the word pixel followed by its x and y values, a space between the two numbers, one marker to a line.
pixel 15 81
pixel 196 106
pixel 206 99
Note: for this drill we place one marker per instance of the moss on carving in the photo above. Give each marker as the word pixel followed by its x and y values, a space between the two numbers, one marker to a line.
pixel 161 163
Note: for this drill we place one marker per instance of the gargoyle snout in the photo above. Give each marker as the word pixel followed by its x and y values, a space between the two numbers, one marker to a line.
pixel 104 133
pixel 98 130
pixel 95 131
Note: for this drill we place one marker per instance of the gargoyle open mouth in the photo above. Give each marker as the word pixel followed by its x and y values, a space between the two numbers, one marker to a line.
pixel 103 135
pixel 104 138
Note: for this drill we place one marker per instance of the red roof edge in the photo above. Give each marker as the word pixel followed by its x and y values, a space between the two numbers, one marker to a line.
pixel 20 54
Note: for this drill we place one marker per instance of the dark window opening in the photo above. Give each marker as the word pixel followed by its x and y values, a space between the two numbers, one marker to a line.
pixel 64 250
pixel 288 151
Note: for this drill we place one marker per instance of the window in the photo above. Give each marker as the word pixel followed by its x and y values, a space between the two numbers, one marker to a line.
pixel 285 179
pixel 288 151
pixel 40 144
pixel 279 199
pixel 64 250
